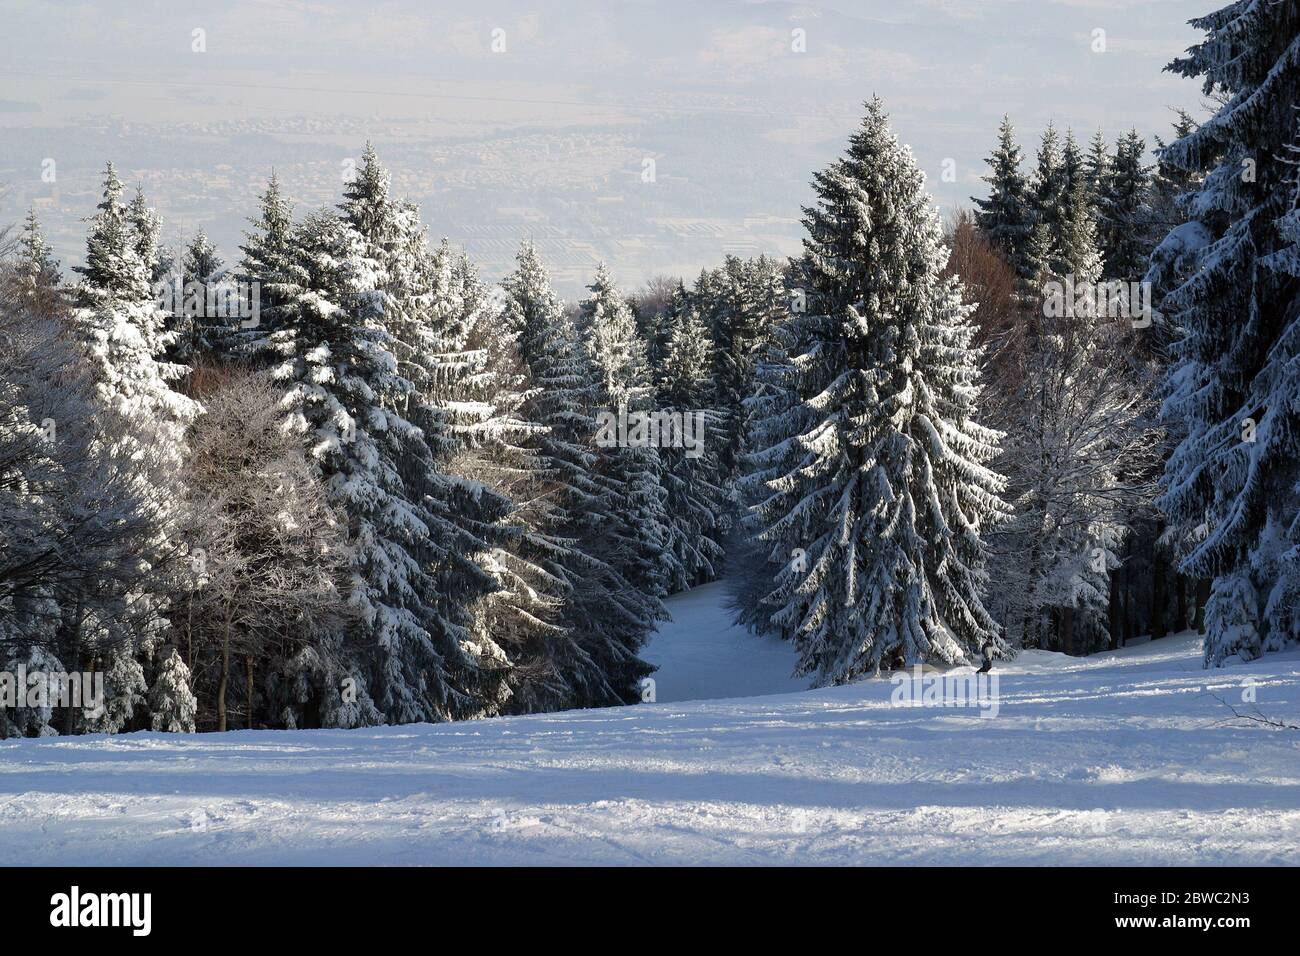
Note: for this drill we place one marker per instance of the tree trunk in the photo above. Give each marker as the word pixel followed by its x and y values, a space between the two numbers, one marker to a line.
pixel 1202 595
pixel 248 670
pixel 1158 593
pixel 69 719
pixel 189 634
pixel 1113 609
pixel 1130 609
pixel 1180 613
pixel 224 683
pixel 1029 630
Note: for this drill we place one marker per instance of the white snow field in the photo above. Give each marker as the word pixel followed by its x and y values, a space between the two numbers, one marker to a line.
pixel 1122 758
pixel 702 655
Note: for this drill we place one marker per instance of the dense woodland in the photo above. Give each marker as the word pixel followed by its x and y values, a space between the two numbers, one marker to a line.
pixel 380 498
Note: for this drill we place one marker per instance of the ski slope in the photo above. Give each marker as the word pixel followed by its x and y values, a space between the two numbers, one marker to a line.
pixel 1124 757
pixel 702 655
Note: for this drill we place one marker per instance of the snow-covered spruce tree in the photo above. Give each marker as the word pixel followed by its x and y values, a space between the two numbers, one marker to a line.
pixel 1125 210
pixel 31 717
pixel 1233 482
pixel 773 412
pixel 124 334
pixel 346 397
pixel 1050 189
pixel 740 303
pixel 172 705
pixel 1077 254
pixel 1006 216
pixel 693 477
pixel 1096 168
pixel 267 264
pixel 523 612
pixel 199 331
pixel 146 228
pixel 1074 167
pixel 122 324
pixel 1063 241
pixel 34 277
pixel 636 530
pixel 880 517
pixel 606 616
pixel 420 301
pixel 124 693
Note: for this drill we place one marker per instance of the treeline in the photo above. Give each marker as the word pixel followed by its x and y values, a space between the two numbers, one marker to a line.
pixel 345 482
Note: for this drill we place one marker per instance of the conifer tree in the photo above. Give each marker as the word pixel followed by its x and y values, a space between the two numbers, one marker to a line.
pixel 1125 211
pixel 1073 164
pixel 418 301
pixel 198 328
pixel 1097 167
pixel 1051 185
pixel 606 617
pixel 637 532
pixel 1006 216
pixel 122 326
pixel 172 705
pixel 346 396
pixel 122 331
pixel 883 505
pixel 692 477
pixel 36 271
pixel 740 304
pixel 1230 487
pixel 266 266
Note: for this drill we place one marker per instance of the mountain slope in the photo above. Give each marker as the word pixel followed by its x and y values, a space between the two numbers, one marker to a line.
pixel 1123 757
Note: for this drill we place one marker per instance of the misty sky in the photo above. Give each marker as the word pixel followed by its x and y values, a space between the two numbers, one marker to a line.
pixel 549 138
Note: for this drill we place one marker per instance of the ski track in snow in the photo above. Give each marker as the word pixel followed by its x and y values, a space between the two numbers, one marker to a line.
pixel 1120 758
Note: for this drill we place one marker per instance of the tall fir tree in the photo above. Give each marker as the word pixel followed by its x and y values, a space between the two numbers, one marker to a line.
pixel 347 397
pixel 199 327
pixel 124 334
pixel 693 477
pixel 267 267
pixel 886 497
pixel 637 534
pixel 740 303
pixel 606 617
pixel 1125 211
pixel 36 274
pixel 123 328
pixel 1097 167
pixel 1074 168
pixel 1006 216
pixel 421 298
pixel 1051 184
pixel 146 225
pixel 1230 486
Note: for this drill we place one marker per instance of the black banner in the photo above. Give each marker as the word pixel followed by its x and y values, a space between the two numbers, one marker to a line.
pixel 339 905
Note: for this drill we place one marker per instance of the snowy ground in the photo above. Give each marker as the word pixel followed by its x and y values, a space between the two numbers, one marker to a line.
pixel 1119 758
pixel 702 655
